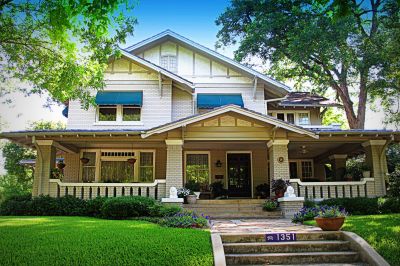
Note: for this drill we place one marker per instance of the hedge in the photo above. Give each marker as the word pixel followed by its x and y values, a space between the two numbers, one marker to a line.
pixel 365 206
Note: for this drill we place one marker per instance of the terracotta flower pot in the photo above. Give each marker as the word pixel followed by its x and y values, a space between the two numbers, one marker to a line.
pixel 279 193
pixel 330 224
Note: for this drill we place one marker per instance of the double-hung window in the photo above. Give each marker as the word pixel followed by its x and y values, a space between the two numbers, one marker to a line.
pixel 119 113
pixel 302 168
pixel 197 168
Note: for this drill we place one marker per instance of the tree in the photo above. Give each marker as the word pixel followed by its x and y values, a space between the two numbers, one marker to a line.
pixel 341 47
pixel 19 178
pixel 60 46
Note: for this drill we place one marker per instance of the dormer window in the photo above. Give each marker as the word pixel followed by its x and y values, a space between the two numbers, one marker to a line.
pixel 169 62
pixel 293 117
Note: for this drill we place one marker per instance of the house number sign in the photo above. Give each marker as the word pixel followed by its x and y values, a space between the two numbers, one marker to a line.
pixel 280 237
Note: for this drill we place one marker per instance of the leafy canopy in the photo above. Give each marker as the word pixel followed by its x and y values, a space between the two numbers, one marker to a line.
pixel 60 46
pixel 348 47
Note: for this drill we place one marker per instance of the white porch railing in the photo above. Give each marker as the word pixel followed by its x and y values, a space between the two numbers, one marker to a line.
pixel 154 190
pixel 340 189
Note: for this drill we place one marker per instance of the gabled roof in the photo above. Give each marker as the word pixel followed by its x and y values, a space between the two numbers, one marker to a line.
pixel 157 68
pixel 229 108
pixel 307 99
pixel 168 34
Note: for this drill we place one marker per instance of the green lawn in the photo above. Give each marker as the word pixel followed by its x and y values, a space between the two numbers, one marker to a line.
pixel 382 232
pixel 90 241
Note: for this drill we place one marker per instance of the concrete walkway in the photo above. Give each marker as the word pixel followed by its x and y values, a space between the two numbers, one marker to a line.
pixel 258 226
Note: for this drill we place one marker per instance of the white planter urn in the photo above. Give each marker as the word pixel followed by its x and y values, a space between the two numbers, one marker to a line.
pixel 197 193
pixel 366 174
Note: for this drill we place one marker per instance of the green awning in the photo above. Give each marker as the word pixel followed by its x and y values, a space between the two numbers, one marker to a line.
pixel 119 97
pixel 208 101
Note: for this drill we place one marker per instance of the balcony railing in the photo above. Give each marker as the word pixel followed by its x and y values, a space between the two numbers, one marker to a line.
pixel 340 189
pixel 154 190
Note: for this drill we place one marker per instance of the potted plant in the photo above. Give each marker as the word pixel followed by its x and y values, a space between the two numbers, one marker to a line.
pixel 270 205
pixel 330 218
pixel 279 187
pixel 191 198
pixel 183 193
pixel 56 173
pixel 194 186
pixel 366 171
pixel 262 191
pixel 218 190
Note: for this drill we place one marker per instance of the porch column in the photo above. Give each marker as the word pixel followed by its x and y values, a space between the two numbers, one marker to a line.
pixel 45 161
pixel 375 156
pixel 174 176
pixel 278 159
pixel 338 162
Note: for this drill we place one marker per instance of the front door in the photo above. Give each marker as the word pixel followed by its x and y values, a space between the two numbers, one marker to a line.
pixel 239 174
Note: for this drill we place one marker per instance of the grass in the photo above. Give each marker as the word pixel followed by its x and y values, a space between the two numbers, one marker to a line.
pixel 90 241
pixel 382 232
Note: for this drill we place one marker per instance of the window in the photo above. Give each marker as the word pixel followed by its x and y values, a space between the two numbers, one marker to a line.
pixel 89 169
pixel 293 170
pixel 130 113
pixel 290 118
pixel 107 113
pixel 146 167
pixel 306 169
pixel 169 62
pixel 119 113
pixel 117 171
pixel 304 119
pixel 197 168
pixel 280 116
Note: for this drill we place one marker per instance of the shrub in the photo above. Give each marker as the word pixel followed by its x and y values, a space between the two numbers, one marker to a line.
pixel 16 205
pixel 93 206
pixel 309 203
pixel 218 190
pixel 394 184
pixel 270 205
pixel 389 205
pixel 262 190
pixel 127 207
pixel 45 206
pixel 72 206
pixel 355 206
pixel 159 210
pixel 185 219
pixel 192 185
pixel 305 214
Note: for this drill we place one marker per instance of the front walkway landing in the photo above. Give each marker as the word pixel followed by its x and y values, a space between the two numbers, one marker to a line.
pixel 258 226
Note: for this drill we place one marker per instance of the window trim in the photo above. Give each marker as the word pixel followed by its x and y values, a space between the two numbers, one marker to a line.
pixel 98 152
pixel 197 152
pixel 274 113
pixel 119 120
pixel 299 170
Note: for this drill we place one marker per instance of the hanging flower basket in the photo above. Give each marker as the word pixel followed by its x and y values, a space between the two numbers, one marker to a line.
pixel 61 165
pixel 131 160
pixel 84 160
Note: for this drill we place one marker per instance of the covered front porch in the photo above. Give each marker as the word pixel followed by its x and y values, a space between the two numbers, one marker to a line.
pixel 234 147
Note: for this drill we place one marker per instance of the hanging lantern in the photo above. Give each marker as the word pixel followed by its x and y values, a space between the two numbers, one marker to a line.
pixel 131 161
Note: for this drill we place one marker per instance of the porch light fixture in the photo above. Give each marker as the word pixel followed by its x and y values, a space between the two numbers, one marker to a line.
pixel 84 160
pixel 303 149
pixel 218 163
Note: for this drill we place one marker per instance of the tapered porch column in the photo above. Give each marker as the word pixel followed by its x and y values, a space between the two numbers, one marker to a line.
pixel 278 159
pixel 375 156
pixel 45 161
pixel 338 162
pixel 174 176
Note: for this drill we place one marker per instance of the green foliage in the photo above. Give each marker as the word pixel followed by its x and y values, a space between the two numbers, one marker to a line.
pixel 393 157
pixel 61 47
pixel 394 184
pixel 160 210
pixel 88 241
pixel 262 190
pixel 355 167
pixel 382 232
pixel 218 190
pixel 11 185
pixel 193 185
pixel 93 206
pixel 270 205
pixel 184 219
pixel 305 214
pixel 335 116
pixel 331 212
pixel 389 205
pixel 313 42
pixel 355 206
pixel 127 207
pixel 309 203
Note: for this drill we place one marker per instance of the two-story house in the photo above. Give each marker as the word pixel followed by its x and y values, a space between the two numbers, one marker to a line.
pixel 173 111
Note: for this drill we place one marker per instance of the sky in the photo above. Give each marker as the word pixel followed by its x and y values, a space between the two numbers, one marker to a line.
pixel 192 19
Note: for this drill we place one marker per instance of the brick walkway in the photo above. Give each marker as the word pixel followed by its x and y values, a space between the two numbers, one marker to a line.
pixel 258 226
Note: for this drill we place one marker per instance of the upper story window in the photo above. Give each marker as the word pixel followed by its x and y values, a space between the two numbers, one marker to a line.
pixel 298 118
pixel 118 113
pixel 169 62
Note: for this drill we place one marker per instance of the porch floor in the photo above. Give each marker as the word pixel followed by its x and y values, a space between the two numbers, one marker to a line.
pixel 243 226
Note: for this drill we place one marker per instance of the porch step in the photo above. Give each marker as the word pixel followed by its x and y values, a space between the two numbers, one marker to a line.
pixel 232 208
pixel 318 248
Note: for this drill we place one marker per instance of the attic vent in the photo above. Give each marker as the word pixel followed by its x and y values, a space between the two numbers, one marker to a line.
pixel 117 154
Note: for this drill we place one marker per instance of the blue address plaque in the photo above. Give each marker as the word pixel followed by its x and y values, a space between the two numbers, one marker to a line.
pixel 280 237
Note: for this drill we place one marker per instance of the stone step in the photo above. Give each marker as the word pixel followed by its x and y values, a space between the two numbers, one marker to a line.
pixel 242 215
pixel 220 206
pixel 228 209
pixel 293 258
pixel 286 247
pixel 300 236
pixel 231 201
